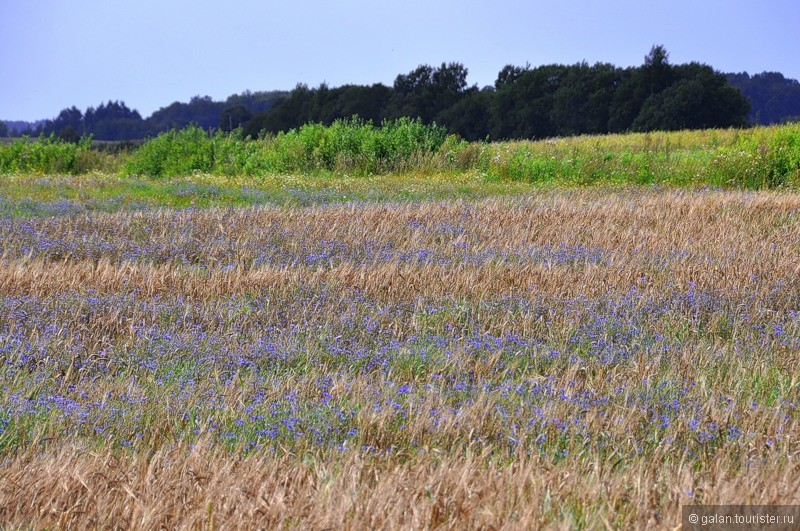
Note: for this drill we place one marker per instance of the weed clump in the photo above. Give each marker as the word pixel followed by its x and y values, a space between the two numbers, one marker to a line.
pixel 347 146
pixel 47 154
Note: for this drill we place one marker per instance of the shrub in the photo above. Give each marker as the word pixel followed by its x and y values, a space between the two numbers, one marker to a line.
pixel 44 155
pixel 346 146
pixel 173 153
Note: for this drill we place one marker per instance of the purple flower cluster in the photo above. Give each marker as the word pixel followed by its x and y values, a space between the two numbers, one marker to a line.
pixel 272 245
pixel 270 369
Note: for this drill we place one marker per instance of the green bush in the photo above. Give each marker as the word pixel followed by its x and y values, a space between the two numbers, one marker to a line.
pixel 173 153
pixel 346 146
pixel 45 155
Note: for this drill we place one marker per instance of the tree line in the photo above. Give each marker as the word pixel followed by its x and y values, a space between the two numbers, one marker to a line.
pixel 551 100
pixel 115 121
pixel 524 102
pixel 774 98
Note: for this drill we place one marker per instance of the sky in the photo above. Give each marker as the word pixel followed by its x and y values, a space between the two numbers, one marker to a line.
pixel 150 53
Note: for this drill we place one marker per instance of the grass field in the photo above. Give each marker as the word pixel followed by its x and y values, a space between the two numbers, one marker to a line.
pixel 404 350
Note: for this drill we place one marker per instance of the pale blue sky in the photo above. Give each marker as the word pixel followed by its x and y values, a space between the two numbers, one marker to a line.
pixel 150 53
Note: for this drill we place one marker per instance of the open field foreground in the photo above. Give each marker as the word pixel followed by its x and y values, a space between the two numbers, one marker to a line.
pixel 587 358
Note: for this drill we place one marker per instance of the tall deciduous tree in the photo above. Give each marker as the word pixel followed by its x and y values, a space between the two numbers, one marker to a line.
pixel 699 98
pixel 426 91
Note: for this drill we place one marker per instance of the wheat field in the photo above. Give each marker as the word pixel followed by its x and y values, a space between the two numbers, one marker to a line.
pixel 590 358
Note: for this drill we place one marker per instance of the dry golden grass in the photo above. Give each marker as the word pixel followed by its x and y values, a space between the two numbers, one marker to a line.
pixel 456 471
pixel 200 490
pixel 725 240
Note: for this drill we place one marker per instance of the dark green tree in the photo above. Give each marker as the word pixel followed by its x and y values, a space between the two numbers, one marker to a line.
pixel 471 116
pixel 291 113
pixel 114 121
pixel 201 111
pixel 71 118
pixel 627 101
pixel 509 75
pixel 260 101
pixel 656 71
pixel 427 91
pixel 367 102
pixel 582 101
pixel 69 134
pixel 774 98
pixel 636 85
pixel 522 109
pixel 699 98
pixel 234 117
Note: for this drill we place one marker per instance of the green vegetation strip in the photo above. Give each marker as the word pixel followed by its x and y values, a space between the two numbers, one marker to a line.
pixel 754 159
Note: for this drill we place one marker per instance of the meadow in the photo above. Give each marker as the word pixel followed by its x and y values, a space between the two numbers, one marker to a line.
pixel 427 343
